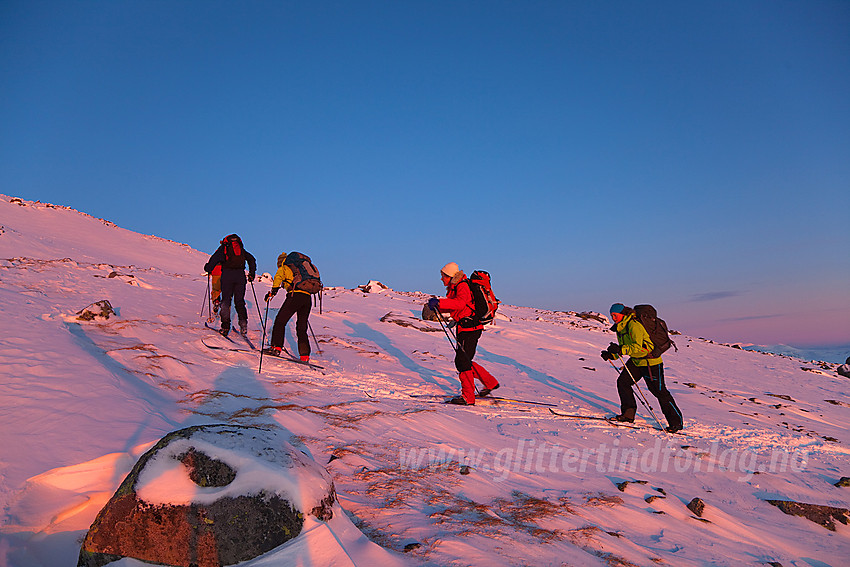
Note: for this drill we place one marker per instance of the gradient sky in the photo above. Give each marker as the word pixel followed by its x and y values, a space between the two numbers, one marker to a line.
pixel 693 155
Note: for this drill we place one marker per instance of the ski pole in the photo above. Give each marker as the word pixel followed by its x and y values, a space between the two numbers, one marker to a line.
pixel 644 402
pixel 440 319
pixel 206 295
pixel 642 398
pixel 456 347
pixel 257 303
pixel 640 393
pixel 263 342
pixel 210 315
pixel 309 326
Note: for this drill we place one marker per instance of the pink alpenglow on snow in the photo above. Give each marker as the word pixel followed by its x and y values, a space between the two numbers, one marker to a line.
pixel 503 482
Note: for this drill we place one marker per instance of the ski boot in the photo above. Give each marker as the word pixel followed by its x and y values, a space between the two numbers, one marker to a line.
pixel 486 391
pixel 628 416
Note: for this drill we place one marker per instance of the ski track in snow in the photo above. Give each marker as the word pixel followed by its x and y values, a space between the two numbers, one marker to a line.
pixel 83 400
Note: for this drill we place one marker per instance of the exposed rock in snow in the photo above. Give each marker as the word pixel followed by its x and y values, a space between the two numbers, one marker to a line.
pixel 697 506
pixel 413 322
pixel 209 496
pixel 372 287
pixel 98 310
pixel 823 515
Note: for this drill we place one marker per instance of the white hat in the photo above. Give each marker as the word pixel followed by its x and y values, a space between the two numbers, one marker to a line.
pixel 450 269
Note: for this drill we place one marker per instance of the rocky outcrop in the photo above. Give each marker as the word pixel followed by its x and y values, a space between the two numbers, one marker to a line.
pixel 98 310
pixel 823 515
pixel 210 496
pixel 697 506
pixel 405 321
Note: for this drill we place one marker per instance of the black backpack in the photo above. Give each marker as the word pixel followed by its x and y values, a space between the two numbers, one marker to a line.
pixel 305 276
pixel 656 328
pixel 234 252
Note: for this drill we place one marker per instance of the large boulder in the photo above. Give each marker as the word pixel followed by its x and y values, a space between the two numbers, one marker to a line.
pixel 823 515
pixel 209 496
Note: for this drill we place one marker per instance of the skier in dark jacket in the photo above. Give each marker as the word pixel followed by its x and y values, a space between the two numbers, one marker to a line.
pixel 461 304
pixel 232 257
pixel 633 340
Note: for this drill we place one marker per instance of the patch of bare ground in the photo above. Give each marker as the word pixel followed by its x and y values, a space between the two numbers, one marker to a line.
pixel 602 499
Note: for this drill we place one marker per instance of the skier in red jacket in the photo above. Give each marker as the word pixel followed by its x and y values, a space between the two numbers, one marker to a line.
pixel 461 305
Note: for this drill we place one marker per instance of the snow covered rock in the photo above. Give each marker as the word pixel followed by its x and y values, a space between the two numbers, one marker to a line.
pixel 372 287
pixel 209 496
pixel 98 310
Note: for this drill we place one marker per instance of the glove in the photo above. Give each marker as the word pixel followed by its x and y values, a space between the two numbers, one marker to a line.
pixel 615 349
pixel 250 277
pixel 606 355
pixel 434 304
pixel 271 294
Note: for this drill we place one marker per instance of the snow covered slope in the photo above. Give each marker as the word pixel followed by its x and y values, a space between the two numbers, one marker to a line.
pixel 501 483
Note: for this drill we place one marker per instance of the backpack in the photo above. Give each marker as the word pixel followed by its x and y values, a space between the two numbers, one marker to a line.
pixel 234 256
pixel 656 328
pixel 485 300
pixel 305 276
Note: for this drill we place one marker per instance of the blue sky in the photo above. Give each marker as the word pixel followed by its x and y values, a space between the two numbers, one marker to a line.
pixel 693 155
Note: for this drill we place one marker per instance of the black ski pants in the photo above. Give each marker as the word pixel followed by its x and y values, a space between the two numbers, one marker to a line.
pixel 467 343
pixel 654 378
pixel 299 303
pixel 233 284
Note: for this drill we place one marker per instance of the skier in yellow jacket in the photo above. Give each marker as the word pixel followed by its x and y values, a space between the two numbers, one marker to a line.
pixel 297 302
pixel 634 341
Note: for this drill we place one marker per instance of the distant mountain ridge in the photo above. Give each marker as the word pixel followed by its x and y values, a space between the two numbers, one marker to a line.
pixel 827 353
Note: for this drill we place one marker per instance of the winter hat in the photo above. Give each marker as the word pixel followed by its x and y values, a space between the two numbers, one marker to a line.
pixel 617 308
pixel 450 269
pixel 281 259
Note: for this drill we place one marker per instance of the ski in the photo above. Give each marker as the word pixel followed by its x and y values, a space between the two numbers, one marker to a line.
pixel 218 332
pixel 600 418
pixel 512 400
pixel 433 398
pixel 444 398
pixel 247 340
pixel 232 349
pixel 291 359
pixel 439 399
pixel 267 357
